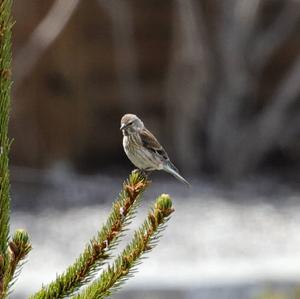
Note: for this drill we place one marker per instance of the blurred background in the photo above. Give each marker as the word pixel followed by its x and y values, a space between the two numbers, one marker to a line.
pixel 218 82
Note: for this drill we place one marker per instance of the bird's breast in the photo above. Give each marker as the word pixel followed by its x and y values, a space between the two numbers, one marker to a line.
pixel 131 144
pixel 137 154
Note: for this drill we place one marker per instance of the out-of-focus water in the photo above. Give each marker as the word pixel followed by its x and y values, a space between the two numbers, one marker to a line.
pixel 220 243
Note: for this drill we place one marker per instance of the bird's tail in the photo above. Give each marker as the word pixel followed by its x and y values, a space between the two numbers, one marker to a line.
pixel 170 168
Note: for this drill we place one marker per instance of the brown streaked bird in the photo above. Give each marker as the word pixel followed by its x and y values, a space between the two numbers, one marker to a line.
pixel 143 149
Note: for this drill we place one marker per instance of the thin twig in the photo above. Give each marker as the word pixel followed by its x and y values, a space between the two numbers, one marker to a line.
pixel 42 38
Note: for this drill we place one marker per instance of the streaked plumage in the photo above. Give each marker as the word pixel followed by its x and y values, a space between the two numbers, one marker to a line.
pixel 143 149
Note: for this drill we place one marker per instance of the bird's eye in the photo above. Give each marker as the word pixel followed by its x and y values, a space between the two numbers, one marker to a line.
pixel 130 123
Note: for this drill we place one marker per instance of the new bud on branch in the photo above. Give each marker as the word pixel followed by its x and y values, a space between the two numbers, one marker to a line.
pixel 163 202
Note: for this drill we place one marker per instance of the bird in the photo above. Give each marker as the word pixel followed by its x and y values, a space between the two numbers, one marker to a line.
pixel 143 149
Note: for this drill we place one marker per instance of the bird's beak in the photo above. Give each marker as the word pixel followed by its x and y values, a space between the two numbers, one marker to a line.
pixel 123 126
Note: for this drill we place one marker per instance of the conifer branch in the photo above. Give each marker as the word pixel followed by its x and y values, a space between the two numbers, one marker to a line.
pixel 19 247
pixel 97 251
pixel 143 241
pixel 5 86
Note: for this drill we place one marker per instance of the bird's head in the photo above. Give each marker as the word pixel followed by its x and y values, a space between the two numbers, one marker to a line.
pixel 131 124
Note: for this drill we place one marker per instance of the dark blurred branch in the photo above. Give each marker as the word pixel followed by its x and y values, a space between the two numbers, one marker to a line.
pixel 274 120
pixel 246 14
pixel 265 133
pixel 245 141
pixel 289 90
pixel 42 38
pixel 267 42
pixel 235 85
pixel 186 79
pixel 120 13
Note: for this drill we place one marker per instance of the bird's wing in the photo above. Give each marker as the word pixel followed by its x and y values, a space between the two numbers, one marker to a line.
pixel 151 143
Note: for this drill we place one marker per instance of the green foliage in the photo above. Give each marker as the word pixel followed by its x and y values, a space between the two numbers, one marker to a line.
pixel 271 294
pixel 14 251
pixel 98 249
pixel 19 247
pixel 5 84
pixel 143 241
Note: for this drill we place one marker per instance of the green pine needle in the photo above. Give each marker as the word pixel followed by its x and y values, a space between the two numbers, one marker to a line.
pixel 97 252
pixel 145 238
pixel 5 86
pixel 19 247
